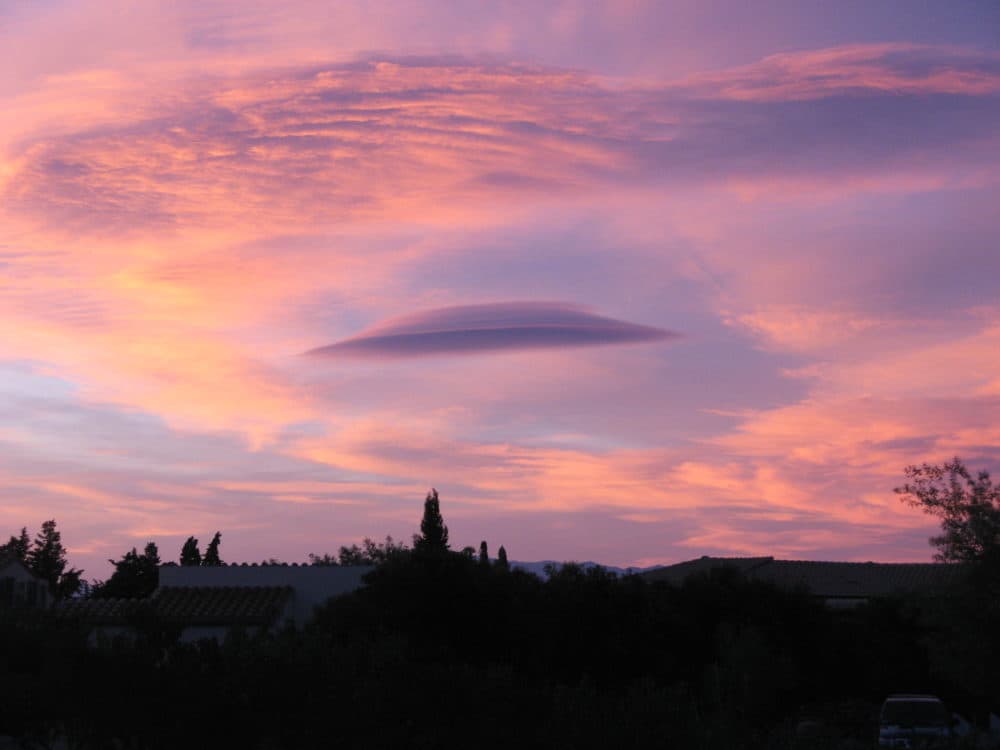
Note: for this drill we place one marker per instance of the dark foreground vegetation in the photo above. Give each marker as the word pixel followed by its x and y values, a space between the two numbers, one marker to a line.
pixel 440 650
pixel 447 649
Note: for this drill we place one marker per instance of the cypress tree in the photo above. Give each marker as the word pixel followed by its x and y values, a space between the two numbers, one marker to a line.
pixel 502 558
pixel 433 533
pixel 484 554
pixel 212 551
pixel 190 554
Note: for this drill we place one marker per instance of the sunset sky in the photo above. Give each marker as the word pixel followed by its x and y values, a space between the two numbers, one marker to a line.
pixel 628 282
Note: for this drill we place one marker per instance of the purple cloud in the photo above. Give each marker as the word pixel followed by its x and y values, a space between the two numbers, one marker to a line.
pixel 504 326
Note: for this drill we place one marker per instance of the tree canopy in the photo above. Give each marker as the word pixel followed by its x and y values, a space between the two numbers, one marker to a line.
pixel 968 506
pixel 369 552
pixel 47 559
pixel 18 545
pixel 135 576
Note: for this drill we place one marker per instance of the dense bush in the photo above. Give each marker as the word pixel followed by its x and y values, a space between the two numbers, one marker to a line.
pixel 439 649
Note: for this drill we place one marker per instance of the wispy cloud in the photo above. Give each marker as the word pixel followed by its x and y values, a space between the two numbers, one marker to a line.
pixel 445 133
pixel 505 326
pixel 820 224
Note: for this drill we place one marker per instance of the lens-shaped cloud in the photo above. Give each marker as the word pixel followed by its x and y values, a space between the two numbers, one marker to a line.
pixel 469 329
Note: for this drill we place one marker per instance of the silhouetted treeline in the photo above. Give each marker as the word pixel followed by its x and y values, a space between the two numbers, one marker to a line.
pixel 444 649
pixel 45 556
pixel 440 649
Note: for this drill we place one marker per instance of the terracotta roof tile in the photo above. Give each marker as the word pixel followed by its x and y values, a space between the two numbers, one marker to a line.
pixel 221 604
pixel 100 611
pixel 187 605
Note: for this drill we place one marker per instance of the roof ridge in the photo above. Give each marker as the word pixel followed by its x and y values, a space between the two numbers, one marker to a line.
pixel 865 562
pixel 252 587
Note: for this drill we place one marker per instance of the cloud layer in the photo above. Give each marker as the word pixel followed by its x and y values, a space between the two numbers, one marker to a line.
pixel 189 198
pixel 504 326
pixel 447 135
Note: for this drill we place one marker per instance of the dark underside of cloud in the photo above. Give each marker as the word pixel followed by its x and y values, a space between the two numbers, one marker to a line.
pixel 510 326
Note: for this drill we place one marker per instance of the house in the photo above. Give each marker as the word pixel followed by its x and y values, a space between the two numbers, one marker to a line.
pixel 193 612
pixel 19 587
pixel 311 585
pixel 209 601
pixel 838 584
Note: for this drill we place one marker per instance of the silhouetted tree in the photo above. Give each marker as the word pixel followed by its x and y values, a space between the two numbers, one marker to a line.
pixel 502 558
pixel 211 557
pixel 190 554
pixel 17 546
pixel 69 583
pixel 965 647
pixel 47 559
pixel 484 554
pixel 433 536
pixel 135 576
pixel 369 552
pixel 324 559
pixel 969 509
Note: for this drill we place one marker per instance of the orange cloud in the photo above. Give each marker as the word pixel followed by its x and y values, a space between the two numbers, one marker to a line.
pixel 171 240
pixel 898 68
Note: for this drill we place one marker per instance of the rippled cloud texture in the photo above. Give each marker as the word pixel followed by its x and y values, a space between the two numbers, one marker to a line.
pixel 191 199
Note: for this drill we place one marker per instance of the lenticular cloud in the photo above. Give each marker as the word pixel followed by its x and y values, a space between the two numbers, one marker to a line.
pixel 508 326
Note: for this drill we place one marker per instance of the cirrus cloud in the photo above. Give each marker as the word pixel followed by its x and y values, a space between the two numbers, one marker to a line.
pixel 505 326
pixel 448 135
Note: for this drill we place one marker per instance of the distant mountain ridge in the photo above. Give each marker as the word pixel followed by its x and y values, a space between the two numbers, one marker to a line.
pixel 538 568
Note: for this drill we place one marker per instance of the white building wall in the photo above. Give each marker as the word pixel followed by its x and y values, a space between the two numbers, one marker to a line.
pixel 22 587
pixel 312 584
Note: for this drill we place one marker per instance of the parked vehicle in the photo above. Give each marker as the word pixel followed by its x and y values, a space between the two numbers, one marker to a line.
pixel 914 721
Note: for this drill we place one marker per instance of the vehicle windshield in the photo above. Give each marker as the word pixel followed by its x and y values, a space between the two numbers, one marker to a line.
pixel 915 713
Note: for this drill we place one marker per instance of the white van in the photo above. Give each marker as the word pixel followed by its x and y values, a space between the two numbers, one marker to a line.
pixel 914 721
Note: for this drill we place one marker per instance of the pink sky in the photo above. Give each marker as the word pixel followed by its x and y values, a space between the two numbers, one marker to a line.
pixel 628 282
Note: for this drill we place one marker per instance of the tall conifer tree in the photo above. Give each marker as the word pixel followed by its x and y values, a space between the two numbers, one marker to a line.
pixel 18 546
pixel 211 557
pixel 190 554
pixel 47 559
pixel 433 532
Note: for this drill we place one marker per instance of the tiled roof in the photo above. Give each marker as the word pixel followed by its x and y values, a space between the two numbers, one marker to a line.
pixel 831 580
pixel 187 605
pixel 221 605
pixel 100 611
pixel 847 579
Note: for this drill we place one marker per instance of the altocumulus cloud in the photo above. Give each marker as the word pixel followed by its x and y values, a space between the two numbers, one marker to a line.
pixel 506 326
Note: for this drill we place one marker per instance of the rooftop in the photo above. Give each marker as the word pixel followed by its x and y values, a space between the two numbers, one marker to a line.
pixel 188 605
pixel 831 580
